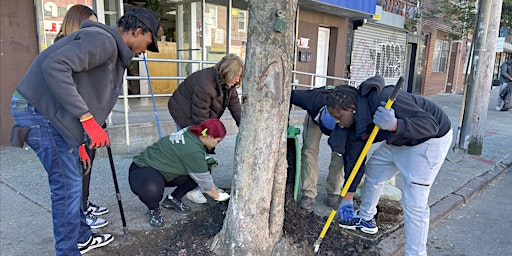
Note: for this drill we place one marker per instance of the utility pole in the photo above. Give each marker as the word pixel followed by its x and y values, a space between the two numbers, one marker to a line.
pixel 480 79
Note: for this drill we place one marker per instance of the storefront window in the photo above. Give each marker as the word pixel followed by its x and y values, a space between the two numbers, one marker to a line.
pixel 49 18
pixel 216 29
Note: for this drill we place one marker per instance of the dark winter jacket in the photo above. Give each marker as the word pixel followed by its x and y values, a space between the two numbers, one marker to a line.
pixel 201 96
pixel 312 101
pixel 81 73
pixel 505 72
pixel 419 120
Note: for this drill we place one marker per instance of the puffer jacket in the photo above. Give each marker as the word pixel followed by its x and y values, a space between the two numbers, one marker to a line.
pixel 201 96
pixel 81 73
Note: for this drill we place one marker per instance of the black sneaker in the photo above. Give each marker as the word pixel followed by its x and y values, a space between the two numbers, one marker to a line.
pixel 95 241
pixel 155 218
pixel 96 209
pixel 175 205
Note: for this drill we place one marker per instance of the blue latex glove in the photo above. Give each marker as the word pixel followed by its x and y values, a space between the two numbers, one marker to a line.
pixel 385 118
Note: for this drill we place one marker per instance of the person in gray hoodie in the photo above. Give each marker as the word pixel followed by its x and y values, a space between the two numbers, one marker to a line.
pixel 61 103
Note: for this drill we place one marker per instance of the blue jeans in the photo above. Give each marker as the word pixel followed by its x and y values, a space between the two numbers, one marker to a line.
pixel 64 176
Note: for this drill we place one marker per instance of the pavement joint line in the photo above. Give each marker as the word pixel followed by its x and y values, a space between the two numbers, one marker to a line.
pixel 396 237
pixel 25 196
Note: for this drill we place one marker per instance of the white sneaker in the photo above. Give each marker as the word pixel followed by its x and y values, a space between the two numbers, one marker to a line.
pixel 196 196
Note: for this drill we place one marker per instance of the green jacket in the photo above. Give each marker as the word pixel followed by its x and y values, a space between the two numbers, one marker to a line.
pixel 181 153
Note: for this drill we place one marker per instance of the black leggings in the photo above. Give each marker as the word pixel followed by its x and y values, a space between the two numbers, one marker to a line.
pixel 149 184
pixel 86 179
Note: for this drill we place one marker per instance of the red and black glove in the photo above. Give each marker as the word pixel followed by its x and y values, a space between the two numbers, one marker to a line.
pixel 85 160
pixel 99 138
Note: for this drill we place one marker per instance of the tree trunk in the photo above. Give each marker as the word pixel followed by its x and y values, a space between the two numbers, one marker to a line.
pixel 480 80
pixel 254 221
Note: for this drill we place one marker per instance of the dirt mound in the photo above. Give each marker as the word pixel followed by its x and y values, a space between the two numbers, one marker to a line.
pixel 191 236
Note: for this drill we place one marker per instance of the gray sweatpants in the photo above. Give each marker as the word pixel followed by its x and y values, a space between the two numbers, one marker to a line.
pixel 418 166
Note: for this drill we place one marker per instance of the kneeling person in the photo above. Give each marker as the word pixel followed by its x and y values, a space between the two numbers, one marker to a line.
pixel 177 160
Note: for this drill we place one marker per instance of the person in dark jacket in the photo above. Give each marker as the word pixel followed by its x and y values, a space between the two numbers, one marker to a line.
pixel 63 98
pixel 315 124
pixel 416 136
pixel 505 86
pixel 71 23
pixel 206 94
pixel 177 160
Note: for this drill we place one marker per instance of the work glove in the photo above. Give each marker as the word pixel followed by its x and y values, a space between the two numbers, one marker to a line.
pixel 99 138
pixel 212 163
pixel 85 160
pixel 222 197
pixel 385 119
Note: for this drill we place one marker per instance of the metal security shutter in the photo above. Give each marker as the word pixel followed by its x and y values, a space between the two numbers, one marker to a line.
pixel 378 49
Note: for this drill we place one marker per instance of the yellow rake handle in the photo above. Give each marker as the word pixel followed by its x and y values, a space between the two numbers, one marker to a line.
pixel 369 142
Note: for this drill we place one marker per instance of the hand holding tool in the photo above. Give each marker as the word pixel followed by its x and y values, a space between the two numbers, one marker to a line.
pixel 385 118
pixel 99 138
pixel 84 159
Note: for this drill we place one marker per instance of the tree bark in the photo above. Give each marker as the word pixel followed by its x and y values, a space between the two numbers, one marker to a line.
pixel 255 216
pixel 478 91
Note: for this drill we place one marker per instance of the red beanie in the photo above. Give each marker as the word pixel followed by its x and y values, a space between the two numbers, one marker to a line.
pixel 211 126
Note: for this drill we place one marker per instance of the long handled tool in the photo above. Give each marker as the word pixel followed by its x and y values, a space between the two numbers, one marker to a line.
pixel 369 142
pixel 152 98
pixel 116 186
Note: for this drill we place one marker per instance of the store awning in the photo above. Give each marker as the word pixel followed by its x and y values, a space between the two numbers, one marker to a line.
pixel 345 8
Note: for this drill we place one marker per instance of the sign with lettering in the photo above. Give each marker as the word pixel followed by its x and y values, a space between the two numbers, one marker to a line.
pixel 49 18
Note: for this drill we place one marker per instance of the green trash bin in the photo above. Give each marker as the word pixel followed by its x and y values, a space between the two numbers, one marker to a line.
pixel 293 159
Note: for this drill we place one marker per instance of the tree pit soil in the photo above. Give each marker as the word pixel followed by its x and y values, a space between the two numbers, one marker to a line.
pixel 191 236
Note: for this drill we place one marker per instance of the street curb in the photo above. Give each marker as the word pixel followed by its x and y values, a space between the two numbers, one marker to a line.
pixel 394 243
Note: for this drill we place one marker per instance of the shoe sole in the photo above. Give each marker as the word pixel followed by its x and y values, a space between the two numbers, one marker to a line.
pixel 156 225
pixel 170 207
pixel 98 245
pixel 371 231
pixel 99 213
pixel 99 226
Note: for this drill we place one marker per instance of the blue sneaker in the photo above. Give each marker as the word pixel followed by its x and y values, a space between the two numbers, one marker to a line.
pixel 346 213
pixel 367 226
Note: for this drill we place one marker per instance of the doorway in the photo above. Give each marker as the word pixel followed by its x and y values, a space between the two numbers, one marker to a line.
pixel 322 57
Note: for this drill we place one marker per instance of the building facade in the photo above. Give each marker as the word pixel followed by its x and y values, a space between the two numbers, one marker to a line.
pixel 192 30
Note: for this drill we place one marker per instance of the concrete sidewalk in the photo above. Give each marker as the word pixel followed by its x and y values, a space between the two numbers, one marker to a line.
pixel 25 207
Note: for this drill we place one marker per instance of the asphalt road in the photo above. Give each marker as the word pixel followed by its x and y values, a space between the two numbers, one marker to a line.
pixel 479 227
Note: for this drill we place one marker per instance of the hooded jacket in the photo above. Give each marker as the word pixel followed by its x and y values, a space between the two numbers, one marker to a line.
pixel 419 120
pixel 203 95
pixel 83 72
pixel 313 101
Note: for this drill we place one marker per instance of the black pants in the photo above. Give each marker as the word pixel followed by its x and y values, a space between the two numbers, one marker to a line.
pixel 149 184
pixel 86 179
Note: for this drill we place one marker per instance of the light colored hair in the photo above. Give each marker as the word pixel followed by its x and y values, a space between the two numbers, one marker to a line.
pixel 73 18
pixel 229 67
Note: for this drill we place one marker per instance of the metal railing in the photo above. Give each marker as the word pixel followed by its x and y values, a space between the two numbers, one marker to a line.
pixel 202 64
